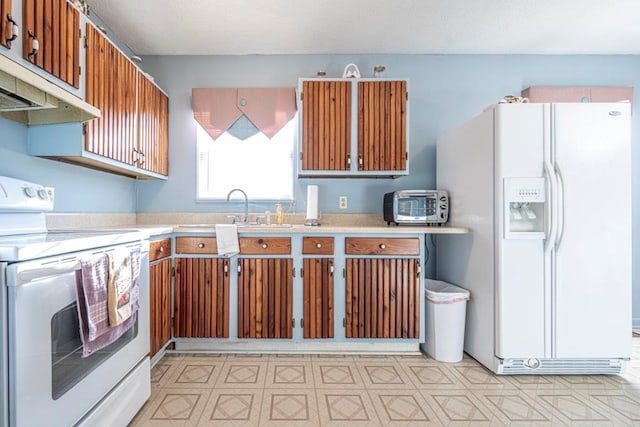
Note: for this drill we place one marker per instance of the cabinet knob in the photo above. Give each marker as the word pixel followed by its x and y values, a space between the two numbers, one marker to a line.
pixel 265 246
pixel 161 249
pixel 383 246
pixel 318 245
pixel 201 245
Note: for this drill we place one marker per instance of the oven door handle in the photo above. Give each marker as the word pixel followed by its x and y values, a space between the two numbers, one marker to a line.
pixel 53 270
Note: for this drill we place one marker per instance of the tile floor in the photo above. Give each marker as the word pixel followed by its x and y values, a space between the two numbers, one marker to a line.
pixel 352 390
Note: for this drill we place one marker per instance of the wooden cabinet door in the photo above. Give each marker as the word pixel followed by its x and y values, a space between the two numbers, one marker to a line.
pixel 201 298
pixel 160 304
pixel 111 87
pixel 6 27
pixel 317 277
pixel 326 125
pixel 153 127
pixel 382 298
pixel 55 24
pixel 382 135
pixel 265 294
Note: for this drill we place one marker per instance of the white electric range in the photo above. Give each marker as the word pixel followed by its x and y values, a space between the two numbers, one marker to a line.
pixel 42 372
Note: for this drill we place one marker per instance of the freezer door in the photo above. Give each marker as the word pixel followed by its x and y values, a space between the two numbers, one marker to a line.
pixel 520 286
pixel 592 284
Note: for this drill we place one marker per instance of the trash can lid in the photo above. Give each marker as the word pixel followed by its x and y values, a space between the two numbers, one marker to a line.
pixel 439 291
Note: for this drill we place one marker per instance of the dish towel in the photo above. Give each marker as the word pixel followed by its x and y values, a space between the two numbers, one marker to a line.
pixel 227 239
pixel 91 297
pixel 119 286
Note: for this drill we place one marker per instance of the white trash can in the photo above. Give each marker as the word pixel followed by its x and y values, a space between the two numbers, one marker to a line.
pixel 445 315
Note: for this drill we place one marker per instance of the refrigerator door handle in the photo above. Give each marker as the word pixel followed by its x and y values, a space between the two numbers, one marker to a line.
pixel 560 210
pixel 551 206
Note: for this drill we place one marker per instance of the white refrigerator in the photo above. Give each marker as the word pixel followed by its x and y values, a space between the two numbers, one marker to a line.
pixel 546 192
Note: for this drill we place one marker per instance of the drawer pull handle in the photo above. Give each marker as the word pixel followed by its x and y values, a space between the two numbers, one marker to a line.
pixel 318 245
pixel 201 245
pixel 383 246
pixel 265 246
pixel 35 45
pixel 161 249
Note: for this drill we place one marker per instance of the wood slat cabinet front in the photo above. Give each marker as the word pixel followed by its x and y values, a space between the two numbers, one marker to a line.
pixel 265 288
pixel 153 127
pixel 201 298
pixel 111 87
pixel 6 24
pixel 353 127
pixel 326 125
pixel 318 286
pixel 382 125
pixel 51 38
pixel 382 292
pixel 160 266
pixel 265 298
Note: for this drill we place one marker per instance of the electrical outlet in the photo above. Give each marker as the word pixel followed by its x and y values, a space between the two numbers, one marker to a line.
pixel 343 202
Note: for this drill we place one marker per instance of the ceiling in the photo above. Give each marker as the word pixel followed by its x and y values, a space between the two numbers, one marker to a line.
pixel 238 27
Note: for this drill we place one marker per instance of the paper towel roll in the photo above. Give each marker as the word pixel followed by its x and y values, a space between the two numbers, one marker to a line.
pixel 312 202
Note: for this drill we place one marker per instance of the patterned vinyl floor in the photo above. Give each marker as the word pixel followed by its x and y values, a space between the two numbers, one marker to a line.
pixel 347 390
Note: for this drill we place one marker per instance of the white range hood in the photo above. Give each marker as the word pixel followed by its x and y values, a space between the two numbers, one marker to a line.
pixel 29 98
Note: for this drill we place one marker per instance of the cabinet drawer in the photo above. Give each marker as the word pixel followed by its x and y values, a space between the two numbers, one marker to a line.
pixel 265 245
pixel 317 245
pixel 382 246
pixel 159 249
pixel 196 245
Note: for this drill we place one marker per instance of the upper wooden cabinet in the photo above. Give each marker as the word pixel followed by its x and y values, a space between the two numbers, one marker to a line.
pixel 326 125
pixel 51 37
pixel 6 24
pixel 353 127
pixel 111 87
pixel 131 137
pixel 153 127
pixel 382 126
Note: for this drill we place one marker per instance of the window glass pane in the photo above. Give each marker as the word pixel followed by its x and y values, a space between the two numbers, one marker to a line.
pixel 262 167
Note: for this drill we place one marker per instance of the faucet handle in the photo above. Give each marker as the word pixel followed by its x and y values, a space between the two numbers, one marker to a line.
pixel 234 218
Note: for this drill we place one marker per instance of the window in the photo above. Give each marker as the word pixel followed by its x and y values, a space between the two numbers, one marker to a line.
pixel 243 157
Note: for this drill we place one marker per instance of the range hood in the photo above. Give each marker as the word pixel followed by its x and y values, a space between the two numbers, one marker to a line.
pixel 29 98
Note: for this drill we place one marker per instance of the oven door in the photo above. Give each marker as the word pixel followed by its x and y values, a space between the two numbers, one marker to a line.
pixel 49 381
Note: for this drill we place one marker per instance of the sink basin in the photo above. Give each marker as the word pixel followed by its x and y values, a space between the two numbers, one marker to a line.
pixel 253 224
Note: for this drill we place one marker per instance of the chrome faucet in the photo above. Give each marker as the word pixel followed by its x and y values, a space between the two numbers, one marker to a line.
pixel 245 219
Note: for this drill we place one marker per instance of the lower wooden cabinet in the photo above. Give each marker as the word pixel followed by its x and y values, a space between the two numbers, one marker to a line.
pixel 265 298
pixel 201 298
pixel 159 294
pixel 317 278
pixel 382 298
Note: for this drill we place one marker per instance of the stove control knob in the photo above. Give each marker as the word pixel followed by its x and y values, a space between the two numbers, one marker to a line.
pixel 29 192
pixel 42 193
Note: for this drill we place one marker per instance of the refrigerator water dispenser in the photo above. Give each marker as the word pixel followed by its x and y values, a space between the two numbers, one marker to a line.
pixel 524 208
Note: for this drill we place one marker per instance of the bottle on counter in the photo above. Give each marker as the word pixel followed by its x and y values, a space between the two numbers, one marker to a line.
pixel 279 214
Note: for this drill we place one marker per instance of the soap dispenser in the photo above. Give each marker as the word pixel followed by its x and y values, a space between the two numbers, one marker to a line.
pixel 279 214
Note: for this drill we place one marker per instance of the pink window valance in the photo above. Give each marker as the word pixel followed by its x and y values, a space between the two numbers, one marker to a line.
pixel 269 109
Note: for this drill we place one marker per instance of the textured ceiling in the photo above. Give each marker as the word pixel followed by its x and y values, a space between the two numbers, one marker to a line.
pixel 237 27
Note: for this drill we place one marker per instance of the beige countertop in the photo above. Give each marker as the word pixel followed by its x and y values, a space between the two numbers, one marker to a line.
pixel 199 223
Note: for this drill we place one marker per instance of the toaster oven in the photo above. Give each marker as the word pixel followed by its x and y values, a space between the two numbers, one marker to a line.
pixel 416 207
